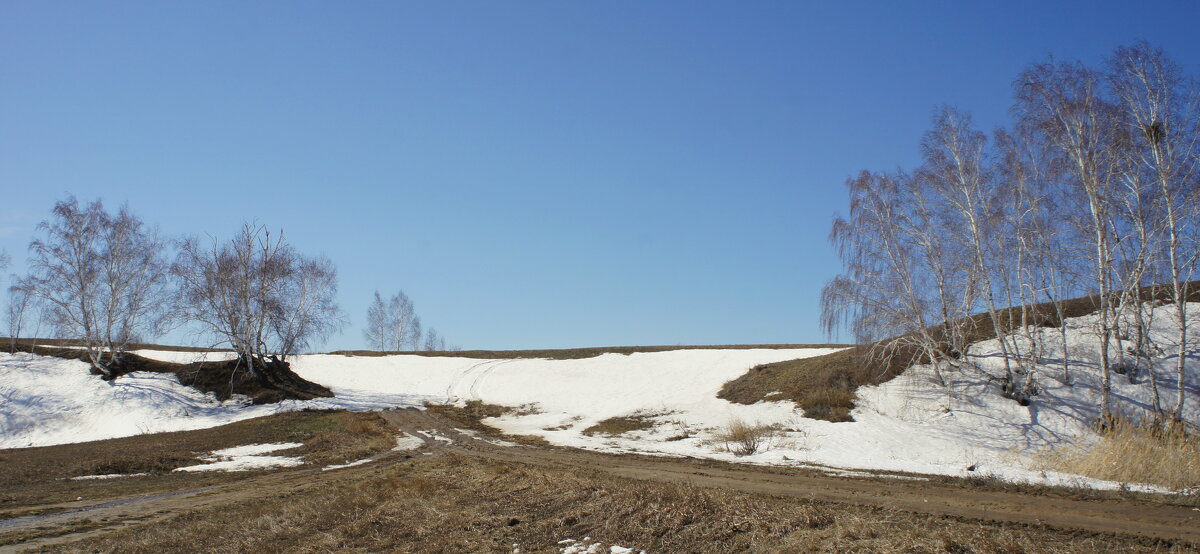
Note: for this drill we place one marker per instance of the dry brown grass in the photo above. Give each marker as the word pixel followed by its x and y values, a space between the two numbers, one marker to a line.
pixel 348 437
pixel 1129 452
pixel 471 417
pixel 622 424
pixel 42 475
pixel 822 385
pixel 450 503
pixel 743 439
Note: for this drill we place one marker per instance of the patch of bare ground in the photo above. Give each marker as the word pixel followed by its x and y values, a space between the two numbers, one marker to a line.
pixel 43 475
pixel 462 503
pixel 473 412
pixel 620 425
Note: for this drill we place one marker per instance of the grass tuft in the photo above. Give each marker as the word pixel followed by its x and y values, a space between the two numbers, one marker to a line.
pixel 743 439
pixel 621 424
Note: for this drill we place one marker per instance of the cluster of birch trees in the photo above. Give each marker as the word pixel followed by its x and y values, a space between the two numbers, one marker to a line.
pixel 1093 190
pixel 107 280
pixel 394 326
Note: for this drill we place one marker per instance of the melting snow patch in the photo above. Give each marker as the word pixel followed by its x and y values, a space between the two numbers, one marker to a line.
pixel 408 442
pixel 250 456
pixel 350 464
pixel 107 476
pixel 572 546
pixel 475 435
pixel 432 434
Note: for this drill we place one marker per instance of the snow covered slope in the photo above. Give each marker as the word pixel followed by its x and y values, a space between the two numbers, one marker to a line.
pixel 45 401
pixel 910 424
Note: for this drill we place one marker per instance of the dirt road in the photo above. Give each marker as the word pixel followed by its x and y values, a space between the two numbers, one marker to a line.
pixel 1168 522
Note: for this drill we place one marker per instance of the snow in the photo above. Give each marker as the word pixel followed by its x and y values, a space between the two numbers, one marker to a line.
pixel 480 437
pixel 46 401
pixel 244 458
pixel 107 476
pixel 408 442
pixel 572 546
pixel 184 357
pixel 434 435
pixel 907 425
pixel 348 464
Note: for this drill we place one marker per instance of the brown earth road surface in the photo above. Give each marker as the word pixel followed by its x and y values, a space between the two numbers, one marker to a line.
pixel 1173 523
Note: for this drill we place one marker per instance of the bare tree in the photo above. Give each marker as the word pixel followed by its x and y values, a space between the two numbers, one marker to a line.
pixel 394 326
pixel 1062 104
pixel 882 292
pixel 376 330
pixel 307 306
pixel 102 277
pixel 257 295
pixel 434 342
pixel 402 323
pixel 1096 192
pixel 414 334
pixel 1160 112
pixel 1046 273
pixel 19 300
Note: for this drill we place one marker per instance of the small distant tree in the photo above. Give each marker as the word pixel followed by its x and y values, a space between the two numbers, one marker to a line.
pixel 394 326
pixel 402 323
pixel 19 301
pixel 102 277
pixel 257 295
pixel 414 335
pixel 434 342
pixel 376 330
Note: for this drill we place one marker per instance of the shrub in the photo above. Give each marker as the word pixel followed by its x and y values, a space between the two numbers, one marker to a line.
pixel 743 439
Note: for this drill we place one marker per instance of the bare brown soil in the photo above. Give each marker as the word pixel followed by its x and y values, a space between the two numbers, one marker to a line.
pixel 461 493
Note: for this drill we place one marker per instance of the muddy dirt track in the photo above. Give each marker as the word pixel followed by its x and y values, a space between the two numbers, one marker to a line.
pixel 1173 523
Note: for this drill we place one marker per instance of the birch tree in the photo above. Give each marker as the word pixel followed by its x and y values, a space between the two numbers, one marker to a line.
pixel 404 329
pixel 102 277
pixel 434 342
pixel 376 330
pixel 19 301
pixel 257 295
pixel 1160 111
pixel 1062 104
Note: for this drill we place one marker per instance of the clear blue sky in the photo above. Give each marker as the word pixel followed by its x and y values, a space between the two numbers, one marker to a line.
pixel 532 174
